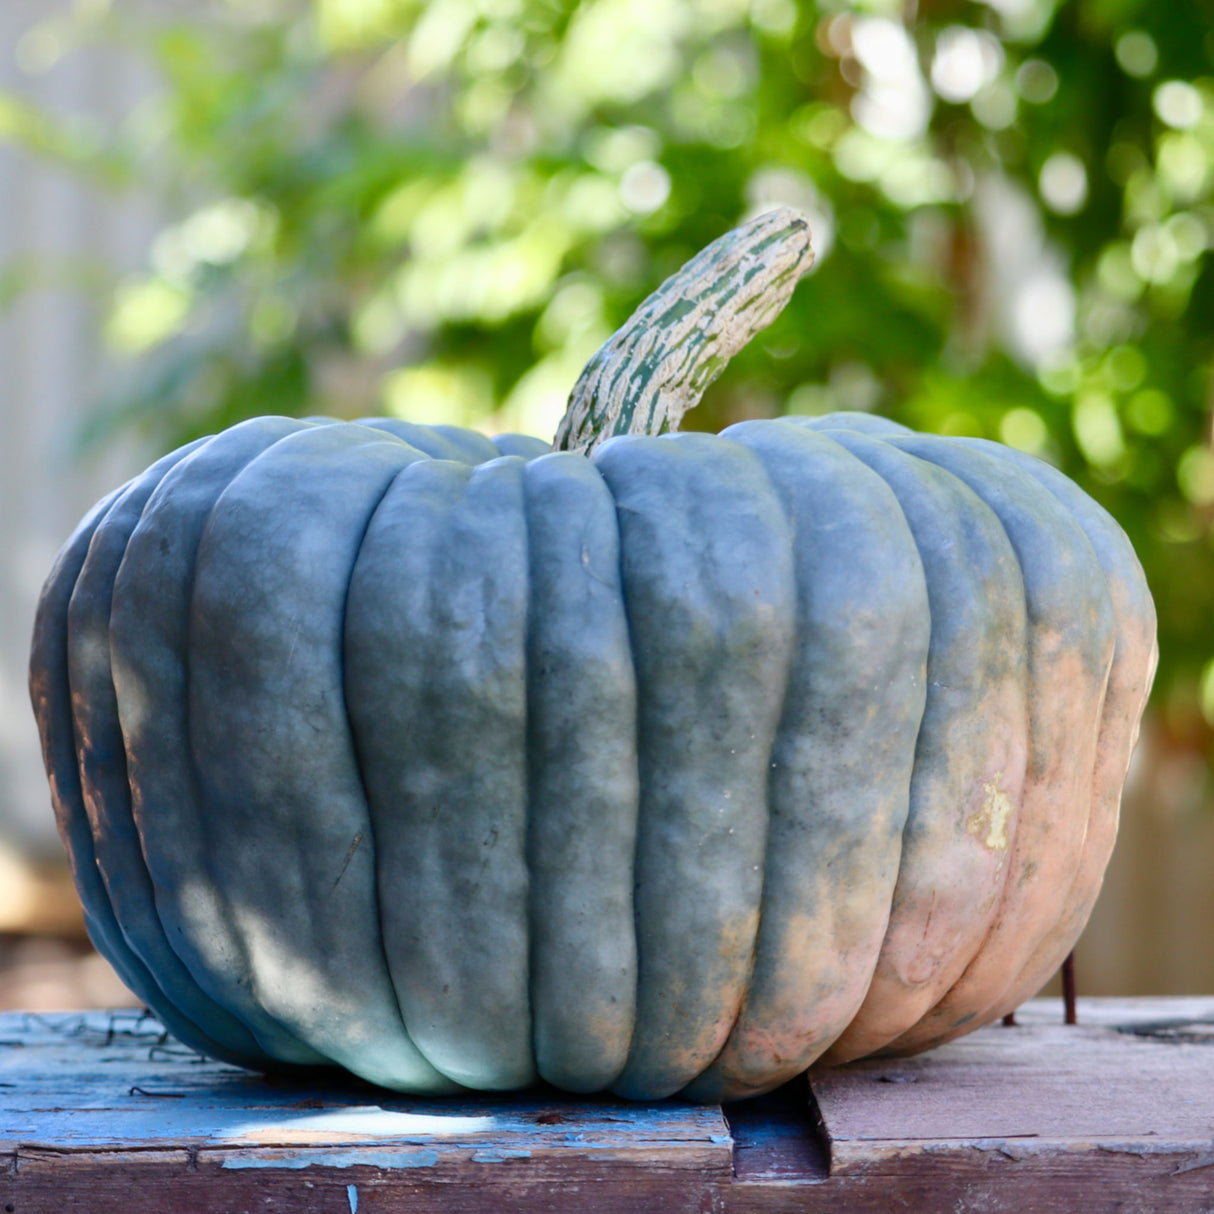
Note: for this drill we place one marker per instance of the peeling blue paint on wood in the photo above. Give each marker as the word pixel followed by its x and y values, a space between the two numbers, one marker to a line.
pixel 100 1112
pixel 99 1081
pixel 336 1159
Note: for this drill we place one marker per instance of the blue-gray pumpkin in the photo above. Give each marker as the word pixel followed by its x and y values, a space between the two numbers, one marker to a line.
pixel 669 768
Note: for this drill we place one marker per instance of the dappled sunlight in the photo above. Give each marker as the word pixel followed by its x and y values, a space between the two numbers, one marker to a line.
pixel 894 102
pixel 1063 183
pixel 357 1123
pixel 966 60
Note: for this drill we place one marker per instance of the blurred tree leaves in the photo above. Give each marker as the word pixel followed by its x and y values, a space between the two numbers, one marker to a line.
pixel 440 209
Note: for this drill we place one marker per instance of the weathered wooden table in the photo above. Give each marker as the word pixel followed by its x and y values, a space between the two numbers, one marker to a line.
pixel 99 1112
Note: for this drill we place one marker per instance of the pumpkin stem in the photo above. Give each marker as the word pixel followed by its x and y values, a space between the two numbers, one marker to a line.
pixel 658 364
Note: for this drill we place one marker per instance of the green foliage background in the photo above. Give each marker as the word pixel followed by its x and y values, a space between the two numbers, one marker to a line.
pixel 440 209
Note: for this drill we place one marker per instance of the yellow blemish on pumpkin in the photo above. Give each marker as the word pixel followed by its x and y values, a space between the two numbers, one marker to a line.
pixel 991 820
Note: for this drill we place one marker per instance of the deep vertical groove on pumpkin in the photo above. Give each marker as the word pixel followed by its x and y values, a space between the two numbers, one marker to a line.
pixel 377 885
pixel 658 364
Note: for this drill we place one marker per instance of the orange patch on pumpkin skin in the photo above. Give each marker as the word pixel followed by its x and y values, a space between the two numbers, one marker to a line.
pixel 1051 830
pixel 806 1008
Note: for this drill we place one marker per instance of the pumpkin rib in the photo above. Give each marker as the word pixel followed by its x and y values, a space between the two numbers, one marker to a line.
pixel 871 425
pixel 50 694
pixel 841 763
pixel 523 445
pixel 583 781
pixel 149 630
pixel 104 778
pixel 434 651
pixel 1134 659
pixel 428 440
pixel 287 819
pixel 971 751
pixel 476 449
pixel 436 1081
pixel 1070 646
pixel 706 573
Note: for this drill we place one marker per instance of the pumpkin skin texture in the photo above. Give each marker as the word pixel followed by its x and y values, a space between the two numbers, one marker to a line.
pixel 463 763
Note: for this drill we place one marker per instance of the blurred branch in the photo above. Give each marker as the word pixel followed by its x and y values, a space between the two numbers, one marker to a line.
pixel 74 144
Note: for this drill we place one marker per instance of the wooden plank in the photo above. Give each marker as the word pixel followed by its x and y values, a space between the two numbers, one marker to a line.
pixel 1040 1079
pixel 1116 1113
pixel 101 1113
pixel 164 1183
pixel 998 1177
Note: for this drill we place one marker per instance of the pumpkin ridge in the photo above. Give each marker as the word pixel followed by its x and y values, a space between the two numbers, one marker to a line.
pixel 51 698
pixel 104 778
pixel 436 442
pixel 707 1080
pixel 1129 683
pixel 152 703
pixel 376 887
pixel 1068 667
pixel 583 783
pixel 286 800
pixel 709 640
pixel 970 750
pixel 840 761
pixel 435 677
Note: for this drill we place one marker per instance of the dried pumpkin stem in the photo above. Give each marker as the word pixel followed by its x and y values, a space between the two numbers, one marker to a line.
pixel 657 366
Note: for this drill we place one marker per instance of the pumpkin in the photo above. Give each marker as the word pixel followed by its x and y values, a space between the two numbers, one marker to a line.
pixel 665 764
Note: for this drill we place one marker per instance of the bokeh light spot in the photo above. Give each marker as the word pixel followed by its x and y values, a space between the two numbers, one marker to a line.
pixel 1097 429
pixel 644 187
pixel 1150 412
pixel 1136 53
pixel 1178 104
pixel 1024 429
pixel 1037 81
pixel 1195 475
pixel 1063 183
